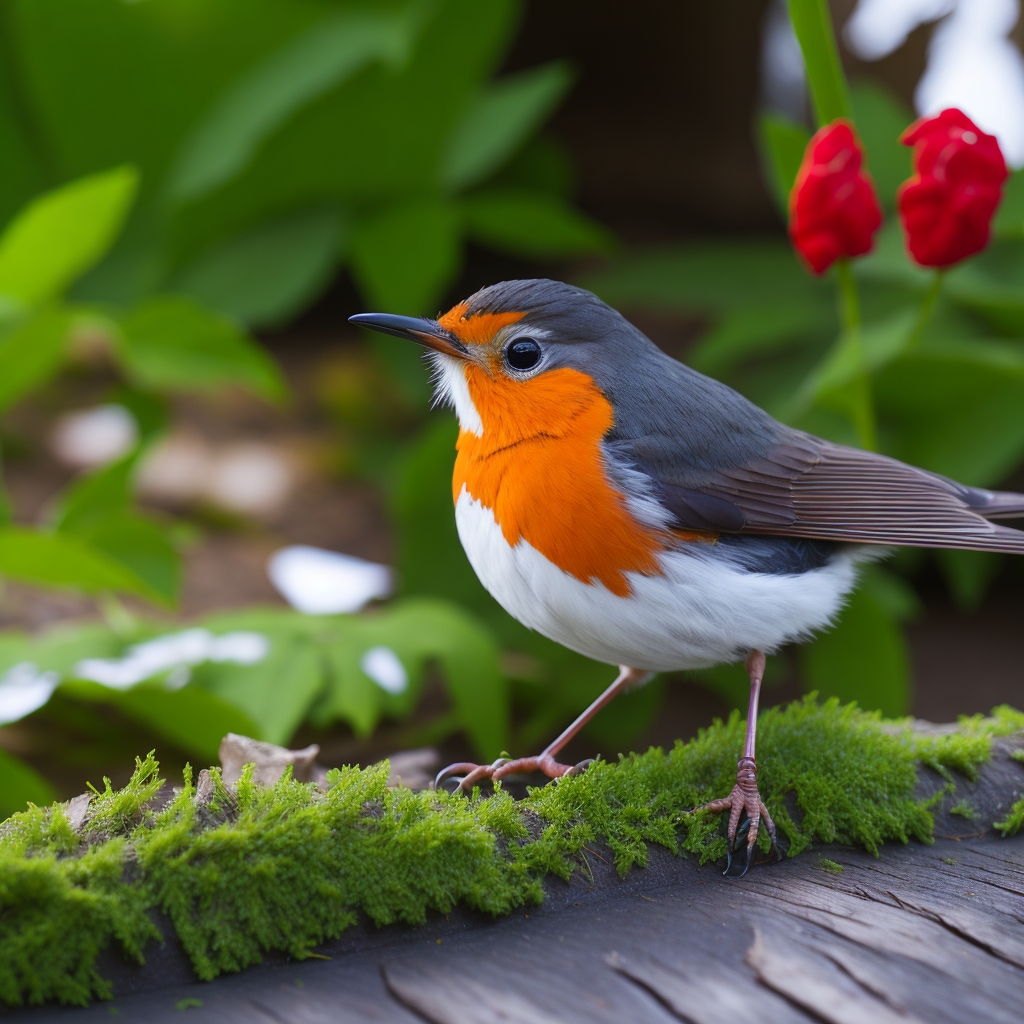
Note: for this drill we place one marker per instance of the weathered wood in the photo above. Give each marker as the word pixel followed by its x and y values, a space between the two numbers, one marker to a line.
pixel 899 939
pixel 922 933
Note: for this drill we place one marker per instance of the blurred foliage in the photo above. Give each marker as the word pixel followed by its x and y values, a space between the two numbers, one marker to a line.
pixel 256 148
pixel 315 668
pixel 949 400
pixel 97 542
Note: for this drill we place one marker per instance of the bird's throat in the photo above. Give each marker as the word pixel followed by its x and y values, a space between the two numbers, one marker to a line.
pixel 537 465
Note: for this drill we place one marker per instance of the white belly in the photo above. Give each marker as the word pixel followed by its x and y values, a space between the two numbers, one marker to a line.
pixel 702 611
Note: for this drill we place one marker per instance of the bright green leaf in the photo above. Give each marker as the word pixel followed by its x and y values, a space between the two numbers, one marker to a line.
pixel 498 122
pixel 532 224
pixel 260 102
pixel 20 785
pixel 782 149
pixel 62 233
pixel 95 496
pixel 32 353
pixel 171 344
pixel 60 560
pixel 264 275
pixel 864 658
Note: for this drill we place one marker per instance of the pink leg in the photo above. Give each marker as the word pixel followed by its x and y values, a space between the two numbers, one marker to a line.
pixel 627 679
pixel 745 795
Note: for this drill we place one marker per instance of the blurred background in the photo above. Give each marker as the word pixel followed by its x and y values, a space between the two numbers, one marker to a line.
pixel 223 509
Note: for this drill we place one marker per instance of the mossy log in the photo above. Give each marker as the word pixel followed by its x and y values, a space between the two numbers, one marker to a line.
pixel 232 877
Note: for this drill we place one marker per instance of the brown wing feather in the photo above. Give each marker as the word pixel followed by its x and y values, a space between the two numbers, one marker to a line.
pixel 806 487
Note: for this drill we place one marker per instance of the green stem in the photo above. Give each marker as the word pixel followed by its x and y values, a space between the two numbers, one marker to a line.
pixel 927 308
pixel 812 23
pixel 862 407
pixel 849 304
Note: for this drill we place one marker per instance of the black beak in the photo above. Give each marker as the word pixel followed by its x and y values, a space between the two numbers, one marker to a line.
pixel 412 328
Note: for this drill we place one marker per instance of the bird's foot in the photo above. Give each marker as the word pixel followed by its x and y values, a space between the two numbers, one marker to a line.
pixel 744 799
pixel 474 773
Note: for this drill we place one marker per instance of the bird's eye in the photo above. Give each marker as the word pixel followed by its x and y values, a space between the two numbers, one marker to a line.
pixel 522 354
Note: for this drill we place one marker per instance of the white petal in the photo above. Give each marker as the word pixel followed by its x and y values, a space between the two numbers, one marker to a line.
pixel 24 689
pixel 319 582
pixel 381 664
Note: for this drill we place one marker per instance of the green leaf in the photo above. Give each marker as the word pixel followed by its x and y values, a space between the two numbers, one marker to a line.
pixel 192 718
pixel 888 261
pixel 95 496
pixel 21 785
pixel 812 23
pixel 266 274
pixel 421 629
pixel 864 658
pixel 782 149
pixel 760 331
pixel 992 285
pixel 717 277
pixel 141 546
pixel 532 224
pixel 1009 220
pixel 403 258
pixel 257 104
pixel 32 353
pixel 59 235
pixel 173 344
pixel 97 509
pixel 871 348
pixel 958 406
pixel 880 119
pixel 277 692
pixel 60 560
pixel 498 122
pixel 59 648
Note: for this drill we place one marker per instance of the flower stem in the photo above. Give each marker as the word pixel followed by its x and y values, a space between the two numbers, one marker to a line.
pixel 849 307
pixel 862 408
pixel 927 307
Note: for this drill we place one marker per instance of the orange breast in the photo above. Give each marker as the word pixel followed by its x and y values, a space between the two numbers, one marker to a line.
pixel 539 468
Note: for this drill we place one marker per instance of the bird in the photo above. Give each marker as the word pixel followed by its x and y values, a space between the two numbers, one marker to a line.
pixel 624 505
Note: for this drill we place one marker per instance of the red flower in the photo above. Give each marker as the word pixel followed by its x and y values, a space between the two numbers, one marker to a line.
pixel 833 210
pixel 947 206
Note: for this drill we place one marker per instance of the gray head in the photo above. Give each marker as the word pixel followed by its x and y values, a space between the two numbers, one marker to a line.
pixel 523 329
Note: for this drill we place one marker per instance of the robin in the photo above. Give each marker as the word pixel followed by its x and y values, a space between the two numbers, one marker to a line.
pixel 644 515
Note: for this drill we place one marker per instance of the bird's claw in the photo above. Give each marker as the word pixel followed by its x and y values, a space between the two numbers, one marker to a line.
pixel 744 799
pixel 471 774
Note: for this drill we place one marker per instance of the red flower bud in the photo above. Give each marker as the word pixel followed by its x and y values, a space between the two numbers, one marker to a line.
pixel 833 210
pixel 947 206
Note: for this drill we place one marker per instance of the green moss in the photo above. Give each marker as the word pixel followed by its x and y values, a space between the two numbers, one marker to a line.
pixel 830 866
pixel 288 867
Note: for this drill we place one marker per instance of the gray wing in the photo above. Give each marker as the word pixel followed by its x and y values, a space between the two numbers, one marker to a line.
pixel 803 486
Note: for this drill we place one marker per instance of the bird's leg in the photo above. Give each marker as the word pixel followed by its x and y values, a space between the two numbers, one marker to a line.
pixel 745 795
pixel 627 679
